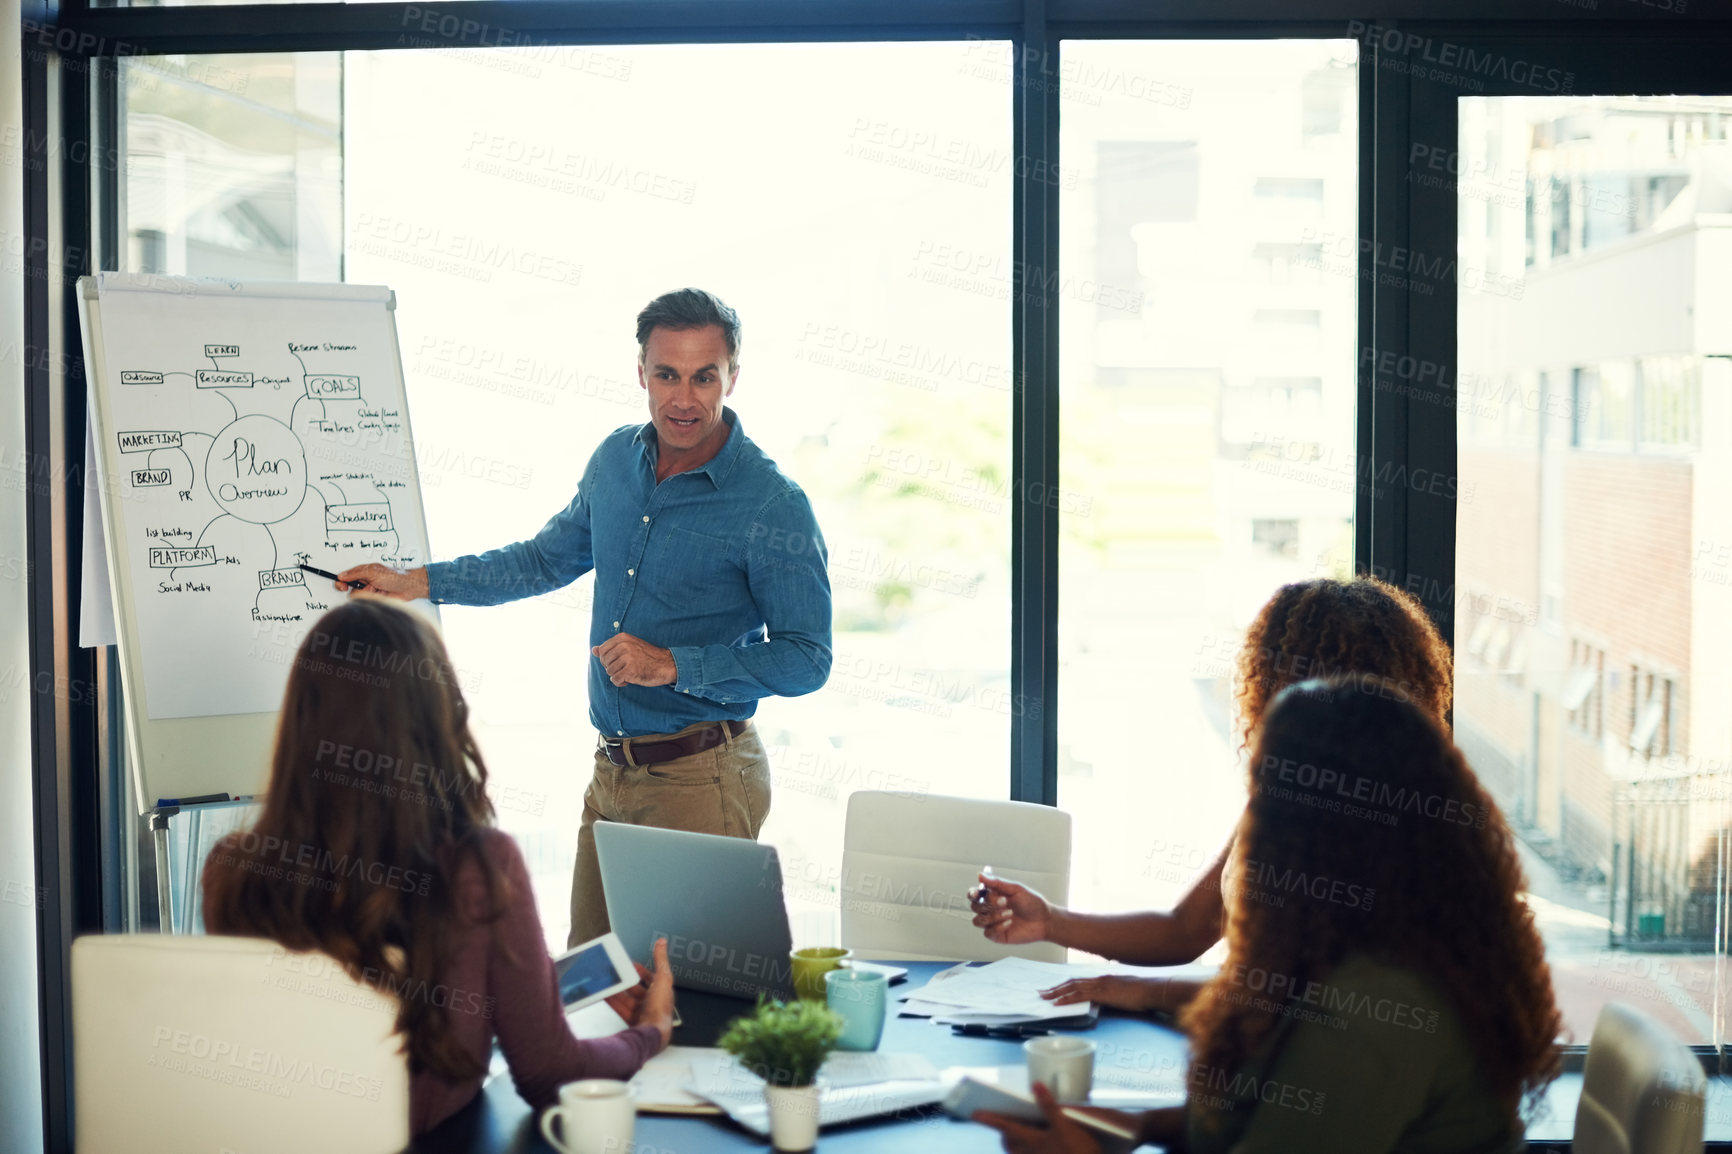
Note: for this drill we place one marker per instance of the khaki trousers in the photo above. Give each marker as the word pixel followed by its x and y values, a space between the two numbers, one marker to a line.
pixel 725 790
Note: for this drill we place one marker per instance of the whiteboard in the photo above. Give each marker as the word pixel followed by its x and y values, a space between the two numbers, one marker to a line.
pixel 240 429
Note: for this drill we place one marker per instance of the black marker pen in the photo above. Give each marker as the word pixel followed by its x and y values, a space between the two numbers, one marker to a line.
pixel 334 577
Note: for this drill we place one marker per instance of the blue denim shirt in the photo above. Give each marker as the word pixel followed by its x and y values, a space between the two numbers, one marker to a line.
pixel 724 565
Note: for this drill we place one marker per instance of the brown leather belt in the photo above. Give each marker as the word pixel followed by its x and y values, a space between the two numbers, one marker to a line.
pixel 672 748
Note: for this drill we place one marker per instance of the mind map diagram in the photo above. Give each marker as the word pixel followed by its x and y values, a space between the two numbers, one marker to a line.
pixel 281 458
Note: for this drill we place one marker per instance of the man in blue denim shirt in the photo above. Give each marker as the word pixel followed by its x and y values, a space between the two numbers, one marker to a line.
pixel 711 591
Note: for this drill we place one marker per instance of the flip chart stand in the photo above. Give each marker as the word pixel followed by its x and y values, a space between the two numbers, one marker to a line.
pixel 239 430
pixel 176 896
pixel 164 886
